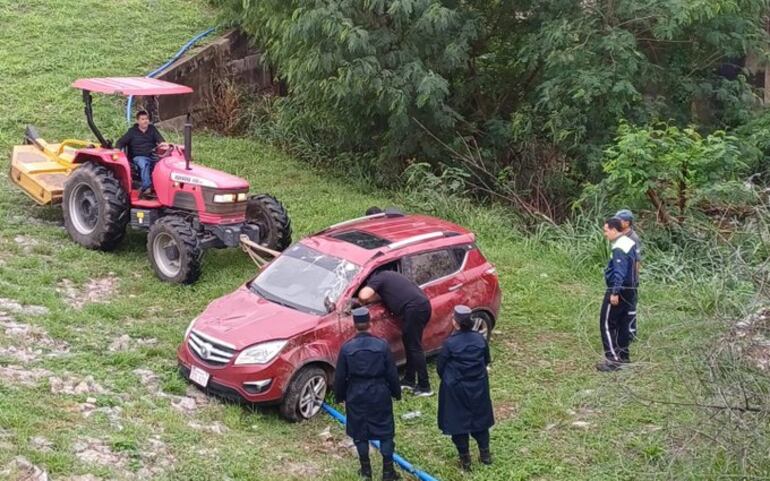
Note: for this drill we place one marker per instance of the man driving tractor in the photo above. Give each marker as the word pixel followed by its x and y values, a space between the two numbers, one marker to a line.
pixel 142 139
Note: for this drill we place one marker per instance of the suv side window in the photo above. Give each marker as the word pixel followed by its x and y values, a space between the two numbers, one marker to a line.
pixel 429 266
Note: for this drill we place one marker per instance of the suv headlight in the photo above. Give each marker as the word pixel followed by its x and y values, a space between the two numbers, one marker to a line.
pixel 260 353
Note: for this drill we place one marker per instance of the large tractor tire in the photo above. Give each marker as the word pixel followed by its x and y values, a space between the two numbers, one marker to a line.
pixel 174 250
pixel 305 394
pixel 273 221
pixel 95 206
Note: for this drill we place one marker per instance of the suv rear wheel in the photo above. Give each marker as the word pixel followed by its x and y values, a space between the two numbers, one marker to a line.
pixel 305 395
pixel 482 323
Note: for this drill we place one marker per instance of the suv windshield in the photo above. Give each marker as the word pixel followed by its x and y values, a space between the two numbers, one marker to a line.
pixel 304 279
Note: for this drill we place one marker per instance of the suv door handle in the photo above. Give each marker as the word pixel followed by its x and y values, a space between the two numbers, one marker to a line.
pixel 455 287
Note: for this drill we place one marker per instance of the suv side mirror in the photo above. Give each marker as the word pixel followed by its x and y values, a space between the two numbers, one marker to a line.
pixel 330 305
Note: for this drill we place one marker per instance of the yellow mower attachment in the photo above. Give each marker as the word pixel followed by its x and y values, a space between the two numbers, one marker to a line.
pixel 40 168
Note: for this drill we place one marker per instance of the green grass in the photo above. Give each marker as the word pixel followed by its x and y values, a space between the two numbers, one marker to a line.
pixel 544 350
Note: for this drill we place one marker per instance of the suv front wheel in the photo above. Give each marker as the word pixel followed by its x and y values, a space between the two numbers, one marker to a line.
pixel 305 394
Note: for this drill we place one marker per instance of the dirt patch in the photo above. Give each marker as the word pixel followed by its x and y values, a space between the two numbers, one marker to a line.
pixel 148 379
pixel 9 305
pixel 751 338
pixel 96 451
pixel 29 342
pixel 95 291
pixel 26 243
pixel 112 413
pixel 505 411
pixel 190 403
pixel 300 469
pixel 74 386
pixel 40 443
pixel 22 376
pixel 331 443
pixel 125 343
pixel 156 460
pixel 19 469
pixel 214 428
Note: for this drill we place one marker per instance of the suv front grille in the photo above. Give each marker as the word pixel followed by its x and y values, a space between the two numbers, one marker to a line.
pixel 209 349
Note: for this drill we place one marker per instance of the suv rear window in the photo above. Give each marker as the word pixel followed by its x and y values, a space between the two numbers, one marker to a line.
pixel 362 239
pixel 429 266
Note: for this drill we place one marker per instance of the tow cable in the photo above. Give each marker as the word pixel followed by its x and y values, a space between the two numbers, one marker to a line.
pixel 403 463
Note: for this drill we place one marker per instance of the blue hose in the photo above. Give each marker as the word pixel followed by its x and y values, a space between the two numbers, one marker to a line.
pixel 163 67
pixel 405 465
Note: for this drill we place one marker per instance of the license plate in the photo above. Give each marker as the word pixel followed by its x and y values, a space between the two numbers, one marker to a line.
pixel 199 376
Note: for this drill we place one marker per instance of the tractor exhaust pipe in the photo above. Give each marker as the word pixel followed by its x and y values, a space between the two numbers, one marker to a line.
pixel 188 141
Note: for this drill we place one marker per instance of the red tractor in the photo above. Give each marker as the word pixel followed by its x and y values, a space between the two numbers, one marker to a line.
pixel 196 207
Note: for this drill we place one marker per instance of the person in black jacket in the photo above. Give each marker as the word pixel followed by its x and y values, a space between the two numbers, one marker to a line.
pixel 464 403
pixel 406 301
pixel 366 380
pixel 142 139
pixel 619 298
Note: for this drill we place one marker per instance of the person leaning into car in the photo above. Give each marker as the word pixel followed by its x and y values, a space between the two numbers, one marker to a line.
pixel 406 301
pixel 366 380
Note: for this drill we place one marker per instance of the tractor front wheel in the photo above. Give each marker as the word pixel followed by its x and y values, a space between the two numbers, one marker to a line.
pixel 95 207
pixel 174 250
pixel 274 224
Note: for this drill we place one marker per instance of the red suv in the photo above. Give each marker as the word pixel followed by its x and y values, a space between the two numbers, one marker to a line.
pixel 275 339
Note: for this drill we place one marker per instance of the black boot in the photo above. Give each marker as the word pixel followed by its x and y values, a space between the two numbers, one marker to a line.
pixel 465 461
pixel 366 469
pixel 485 456
pixel 389 471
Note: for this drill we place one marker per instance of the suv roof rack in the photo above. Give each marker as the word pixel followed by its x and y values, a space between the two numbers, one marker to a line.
pixel 418 238
pixel 388 213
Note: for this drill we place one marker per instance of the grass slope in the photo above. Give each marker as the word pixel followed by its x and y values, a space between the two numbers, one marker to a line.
pixel 557 417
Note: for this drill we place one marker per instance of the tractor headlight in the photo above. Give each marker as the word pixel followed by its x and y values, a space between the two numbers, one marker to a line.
pixel 224 198
pixel 260 353
pixel 243 197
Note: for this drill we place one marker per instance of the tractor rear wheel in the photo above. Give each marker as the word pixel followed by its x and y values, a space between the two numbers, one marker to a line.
pixel 174 250
pixel 274 224
pixel 95 207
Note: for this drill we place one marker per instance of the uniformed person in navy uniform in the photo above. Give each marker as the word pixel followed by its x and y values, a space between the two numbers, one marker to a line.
pixel 619 298
pixel 366 380
pixel 464 403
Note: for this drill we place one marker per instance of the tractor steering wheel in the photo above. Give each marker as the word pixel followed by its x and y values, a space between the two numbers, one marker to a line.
pixel 162 154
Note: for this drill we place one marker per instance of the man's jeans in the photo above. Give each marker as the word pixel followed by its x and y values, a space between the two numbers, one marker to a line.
pixel 145 165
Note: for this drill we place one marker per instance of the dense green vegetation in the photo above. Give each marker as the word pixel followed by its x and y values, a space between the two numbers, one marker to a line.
pixel 524 96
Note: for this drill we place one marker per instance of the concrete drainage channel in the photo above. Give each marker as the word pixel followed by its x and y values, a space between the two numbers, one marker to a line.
pixel 400 461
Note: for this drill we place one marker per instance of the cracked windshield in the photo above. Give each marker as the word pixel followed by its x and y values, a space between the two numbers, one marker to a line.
pixel 305 279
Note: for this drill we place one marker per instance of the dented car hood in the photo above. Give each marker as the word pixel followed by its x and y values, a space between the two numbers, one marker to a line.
pixel 243 318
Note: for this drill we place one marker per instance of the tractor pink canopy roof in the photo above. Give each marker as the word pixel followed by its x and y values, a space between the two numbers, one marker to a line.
pixel 131 86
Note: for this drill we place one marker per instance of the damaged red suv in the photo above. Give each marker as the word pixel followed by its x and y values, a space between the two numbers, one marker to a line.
pixel 275 339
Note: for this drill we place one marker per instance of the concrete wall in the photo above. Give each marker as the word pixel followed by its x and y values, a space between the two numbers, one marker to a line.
pixel 228 58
